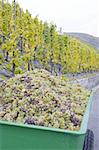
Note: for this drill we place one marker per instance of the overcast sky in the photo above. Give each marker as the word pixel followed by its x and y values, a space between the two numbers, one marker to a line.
pixel 71 15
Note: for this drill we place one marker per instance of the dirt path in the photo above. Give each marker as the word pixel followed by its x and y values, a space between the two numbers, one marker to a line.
pixel 94 119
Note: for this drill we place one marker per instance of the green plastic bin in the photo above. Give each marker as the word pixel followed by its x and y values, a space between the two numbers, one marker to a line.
pixel 15 136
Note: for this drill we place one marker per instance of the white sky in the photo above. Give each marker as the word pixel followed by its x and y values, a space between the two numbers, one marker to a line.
pixel 71 15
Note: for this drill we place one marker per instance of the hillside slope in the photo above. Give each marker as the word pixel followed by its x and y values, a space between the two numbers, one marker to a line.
pixel 94 41
pixel 27 42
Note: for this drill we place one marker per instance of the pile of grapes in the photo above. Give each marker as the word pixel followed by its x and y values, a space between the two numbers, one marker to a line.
pixel 39 98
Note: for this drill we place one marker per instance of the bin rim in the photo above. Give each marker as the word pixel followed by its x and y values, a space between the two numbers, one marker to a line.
pixel 83 127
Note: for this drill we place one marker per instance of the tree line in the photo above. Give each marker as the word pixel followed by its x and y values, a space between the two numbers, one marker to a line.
pixel 26 40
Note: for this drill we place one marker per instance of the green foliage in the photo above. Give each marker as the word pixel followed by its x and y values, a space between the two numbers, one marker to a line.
pixel 24 39
pixel 1 58
pixel 19 71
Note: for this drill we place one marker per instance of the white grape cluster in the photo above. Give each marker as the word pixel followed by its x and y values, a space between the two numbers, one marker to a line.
pixel 39 98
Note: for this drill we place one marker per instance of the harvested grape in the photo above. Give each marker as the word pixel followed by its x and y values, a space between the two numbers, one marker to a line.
pixel 39 98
